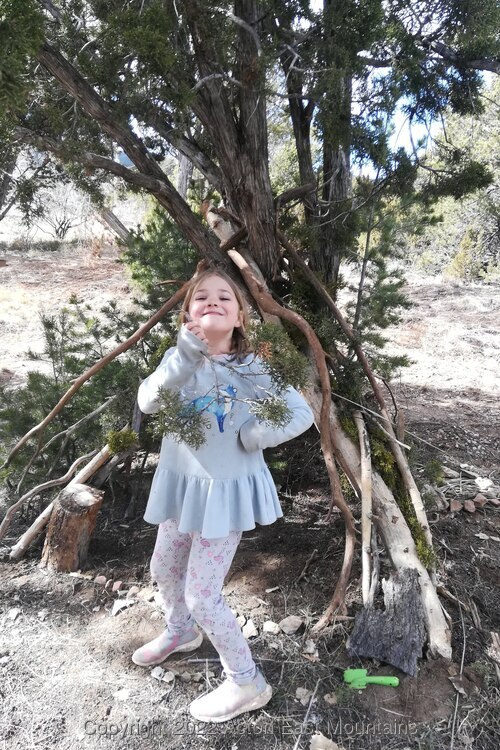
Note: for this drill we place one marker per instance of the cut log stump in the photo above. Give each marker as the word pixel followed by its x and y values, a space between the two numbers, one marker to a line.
pixel 397 634
pixel 70 528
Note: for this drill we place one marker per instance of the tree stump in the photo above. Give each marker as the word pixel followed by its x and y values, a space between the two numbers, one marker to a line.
pixel 396 635
pixel 70 528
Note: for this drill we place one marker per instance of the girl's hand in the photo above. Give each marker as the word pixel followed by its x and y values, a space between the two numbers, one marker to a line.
pixel 195 327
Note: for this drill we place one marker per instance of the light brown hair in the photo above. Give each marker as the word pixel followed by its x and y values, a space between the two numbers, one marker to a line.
pixel 240 342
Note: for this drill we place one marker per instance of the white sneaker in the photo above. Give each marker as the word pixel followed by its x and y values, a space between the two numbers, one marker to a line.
pixel 160 648
pixel 230 700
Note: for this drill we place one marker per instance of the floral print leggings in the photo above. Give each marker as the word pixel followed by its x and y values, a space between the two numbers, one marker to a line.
pixel 190 572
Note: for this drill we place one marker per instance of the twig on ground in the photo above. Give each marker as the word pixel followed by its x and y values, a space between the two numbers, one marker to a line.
pixel 306 566
pixel 311 700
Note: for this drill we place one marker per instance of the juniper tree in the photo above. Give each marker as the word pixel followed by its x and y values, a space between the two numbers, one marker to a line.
pixel 156 77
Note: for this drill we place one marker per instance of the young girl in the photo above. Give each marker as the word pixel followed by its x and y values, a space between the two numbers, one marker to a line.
pixel 203 499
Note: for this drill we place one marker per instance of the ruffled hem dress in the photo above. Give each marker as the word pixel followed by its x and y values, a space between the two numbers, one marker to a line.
pixel 225 484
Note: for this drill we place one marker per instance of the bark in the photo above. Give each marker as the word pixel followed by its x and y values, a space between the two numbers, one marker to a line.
pixel 397 635
pixel 366 505
pixel 70 528
pixel 239 133
pixel 113 222
pixel 39 524
pixel 392 529
pixel 77 86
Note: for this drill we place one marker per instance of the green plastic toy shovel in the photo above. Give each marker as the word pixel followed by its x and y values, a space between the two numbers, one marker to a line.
pixel 358 679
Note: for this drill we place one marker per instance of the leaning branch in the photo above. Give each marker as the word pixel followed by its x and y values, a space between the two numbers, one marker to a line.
pixel 77 384
pixel 398 454
pixel 267 303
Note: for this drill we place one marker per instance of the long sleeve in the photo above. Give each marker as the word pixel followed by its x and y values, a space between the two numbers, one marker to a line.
pixel 176 367
pixel 256 435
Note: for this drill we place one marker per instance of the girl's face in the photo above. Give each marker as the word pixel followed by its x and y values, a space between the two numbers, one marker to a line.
pixel 215 305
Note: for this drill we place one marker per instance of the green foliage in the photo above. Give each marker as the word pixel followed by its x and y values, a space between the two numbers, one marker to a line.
pixel 121 440
pixel 74 340
pixel 181 421
pixel 273 410
pixel 21 32
pixel 157 252
pixel 283 362
pixel 463 238
pixel 433 471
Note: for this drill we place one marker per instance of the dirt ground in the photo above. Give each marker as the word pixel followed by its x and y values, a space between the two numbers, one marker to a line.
pixel 67 680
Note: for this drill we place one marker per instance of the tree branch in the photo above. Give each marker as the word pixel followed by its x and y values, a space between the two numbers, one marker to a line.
pixel 77 384
pixel 94 106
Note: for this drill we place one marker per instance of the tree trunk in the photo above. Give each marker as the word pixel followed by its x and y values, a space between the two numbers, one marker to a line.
pixel 392 528
pixel 395 636
pixel 70 528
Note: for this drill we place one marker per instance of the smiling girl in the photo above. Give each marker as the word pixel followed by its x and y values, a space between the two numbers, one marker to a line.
pixel 203 499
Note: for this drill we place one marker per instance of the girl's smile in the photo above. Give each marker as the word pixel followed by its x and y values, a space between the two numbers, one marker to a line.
pixel 215 307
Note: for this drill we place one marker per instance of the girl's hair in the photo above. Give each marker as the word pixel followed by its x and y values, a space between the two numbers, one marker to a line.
pixel 240 342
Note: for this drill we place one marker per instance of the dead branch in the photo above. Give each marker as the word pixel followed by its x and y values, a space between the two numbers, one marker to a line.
pixel 366 504
pixel 31 534
pixel 399 456
pixel 77 384
pixel 306 566
pixel 36 491
pixel 67 433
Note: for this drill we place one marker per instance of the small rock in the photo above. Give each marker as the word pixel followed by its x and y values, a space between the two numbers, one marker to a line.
pixel 469 506
pixel 249 630
pixel 273 588
pixel 455 506
pixel 291 624
pixel 16 598
pixel 43 614
pixel 271 627
pixel 97 608
pixel 303 695
pixel 450 473
pixel 480 501
pixel 241 620
pixel 13 613
pixel 186 677
pixel 330 698
pixel 133 591
pixel 117 586
pixel 483 483
pixel 434 500
pixel 4 660
pixel 101 580
pixel 168 676
pixel 157 673
pixel 197 677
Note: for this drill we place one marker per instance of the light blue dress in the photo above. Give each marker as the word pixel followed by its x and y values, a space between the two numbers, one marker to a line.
pixel 225 484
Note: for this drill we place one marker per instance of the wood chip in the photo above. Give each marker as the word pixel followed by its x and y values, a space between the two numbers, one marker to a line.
pixel 303 695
